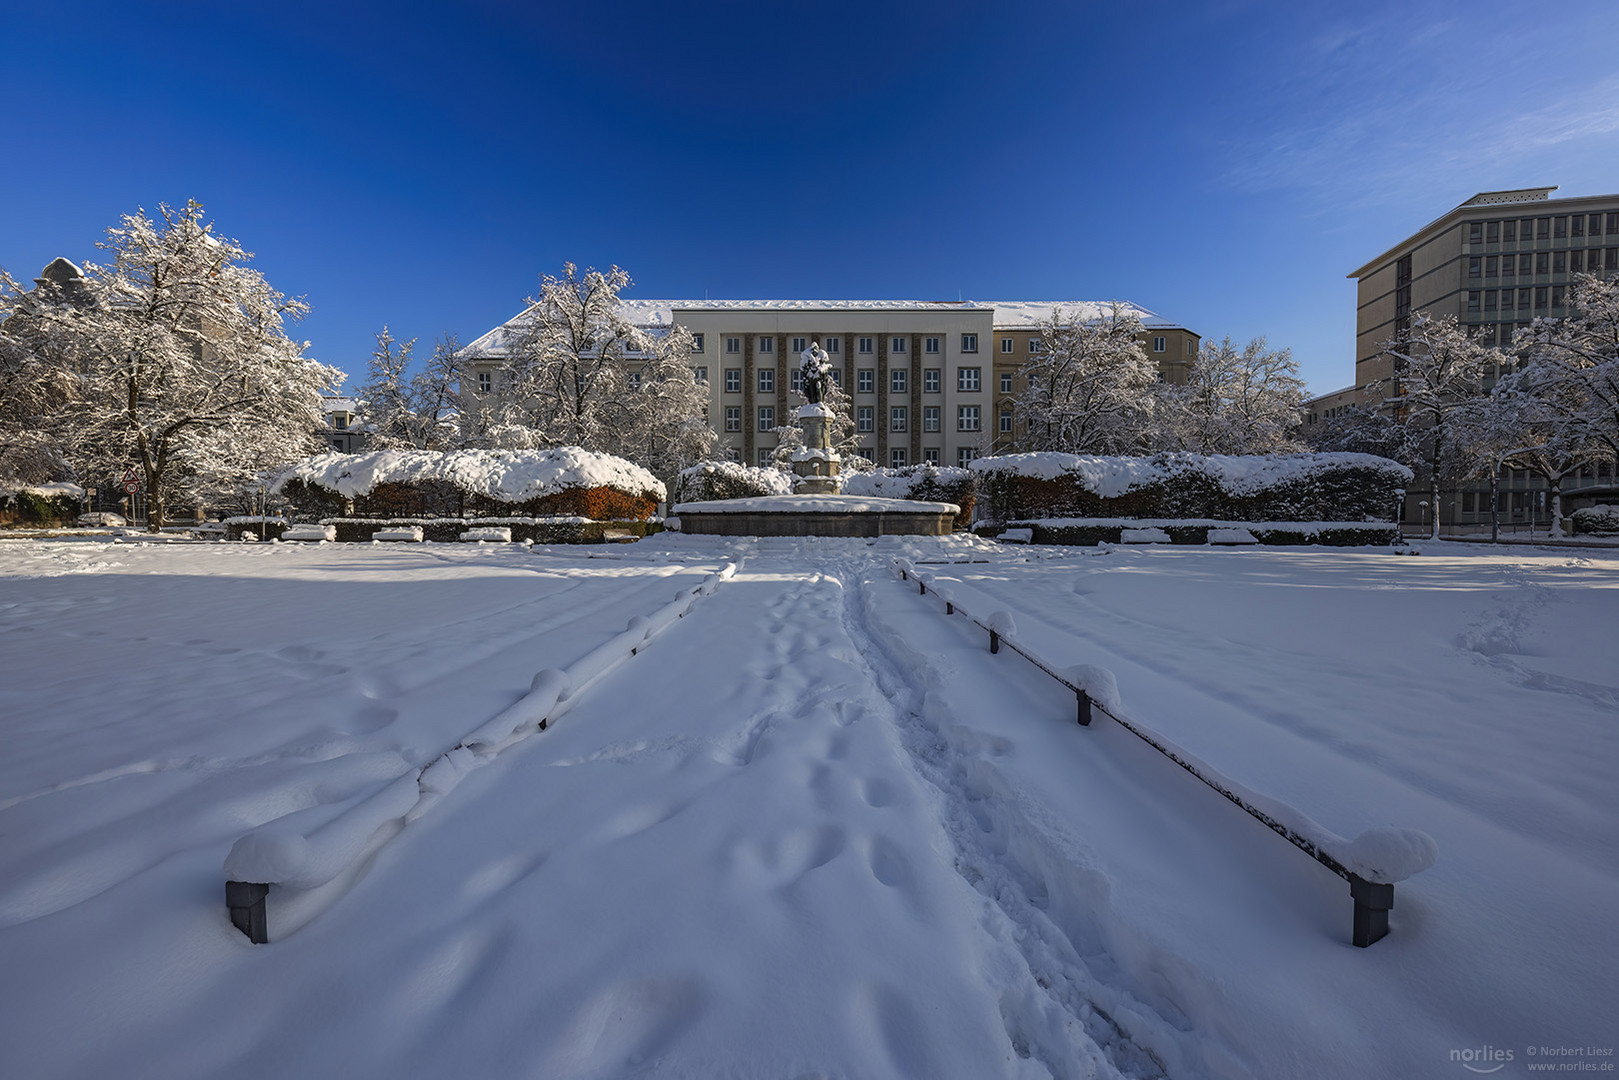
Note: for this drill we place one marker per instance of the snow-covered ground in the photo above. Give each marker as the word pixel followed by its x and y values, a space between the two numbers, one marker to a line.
pixel 813 829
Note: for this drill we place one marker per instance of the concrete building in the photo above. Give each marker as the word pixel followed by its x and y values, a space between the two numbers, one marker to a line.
pixel 1497 262
pixel 929 381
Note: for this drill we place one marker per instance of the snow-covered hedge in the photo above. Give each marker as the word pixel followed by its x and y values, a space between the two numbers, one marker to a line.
pixel 259 528
pixel 710 480
pixel 40 504
pixel 1601 520
pixel 925 483
pixel 1087 532
pixel 561 529
pixel 472 483
pixel 1281 487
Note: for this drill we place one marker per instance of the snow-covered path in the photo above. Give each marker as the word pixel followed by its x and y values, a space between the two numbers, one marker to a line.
pixel 812 830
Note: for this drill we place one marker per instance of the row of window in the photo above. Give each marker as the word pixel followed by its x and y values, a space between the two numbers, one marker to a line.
pixel 968 379
pixel 1520 230
pixel 1543 262
pixel 967 418
pixel 898 457
pixel 866 345
pixel 1486 300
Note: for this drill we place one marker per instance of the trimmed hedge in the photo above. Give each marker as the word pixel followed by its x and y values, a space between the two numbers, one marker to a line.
pixel 1290 487
pixel 561 530
pixel 925 482
pixel 1273 534
pixel 709 481
pixel 32 507
pixel 1599 520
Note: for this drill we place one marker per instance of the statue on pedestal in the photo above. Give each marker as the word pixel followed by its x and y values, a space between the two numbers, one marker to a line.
pixel 813 371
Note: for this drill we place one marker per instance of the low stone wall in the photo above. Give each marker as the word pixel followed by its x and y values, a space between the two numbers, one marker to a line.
pixel 1081 533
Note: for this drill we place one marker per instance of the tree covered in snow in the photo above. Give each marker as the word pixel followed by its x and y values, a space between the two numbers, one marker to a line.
pixel 179 361
pixel 1435 390
pixel 1089 388
pixel 1357 428
pixel 1572 363
pixel 1532 420
pixel 1235 401
pixel 35 386
pixel 581 374
pixel 412 410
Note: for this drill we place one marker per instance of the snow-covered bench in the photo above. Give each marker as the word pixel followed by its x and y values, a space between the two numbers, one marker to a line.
pixel 1144 536
pixel 489 534
pixel 310 532
pixel 410 534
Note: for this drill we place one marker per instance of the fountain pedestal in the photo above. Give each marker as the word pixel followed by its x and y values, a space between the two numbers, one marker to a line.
pixel 816 464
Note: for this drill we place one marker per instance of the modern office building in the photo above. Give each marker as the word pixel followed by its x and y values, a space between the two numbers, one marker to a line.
pixel 1497 262
pixel 929 381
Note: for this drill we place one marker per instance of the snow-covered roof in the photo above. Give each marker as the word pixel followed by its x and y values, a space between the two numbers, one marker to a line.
pixel 1005 314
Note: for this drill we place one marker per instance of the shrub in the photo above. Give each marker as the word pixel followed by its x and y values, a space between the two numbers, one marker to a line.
pixel 1599 520
pixel 709 481
pixel 925 483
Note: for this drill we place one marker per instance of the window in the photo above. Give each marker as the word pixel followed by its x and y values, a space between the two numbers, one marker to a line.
pixel 1526 265
pixel 1596 224
pixel 1540 298
pixel 764 455
pixel 930 455
pixel 897 418
pixel 930 418
pixel 1492 232
pixel 1612 261
pixel 965 456
pixel 1577 225
pixel 969 342
pixel 896 344
pixel 635 379
pixel 896 458
pixel 767 380
pixel 1191 347
pixel 864 345
pixel 896 380
pixel 1036 345
pixel 796 379
pixel 1006 382
pixel 733 453
pixel 864 418
pixel 733 380
pixel 700 374
pixel 486 382
pixel 767 344
pixel 1489 300
pixel 1475 267
pixel 1508 264
pixel 966 417
pixel 864 380
pixel 1559 261
pixel 697 343
pixel 1475 233
pixel 733 344
pixel 930 345
pixel 1158 342
pixel 1613 224
pixel 834 345
pixel 868 453
pixel 1473 299
pixel 1509 231
pixel 767 417
pixel 837 376
pixel 1032 378
pixel 967 379
pixel 1542 263
pixel 1492 266
pixel 1523 298
pixel 930 381
pixel 1543 228
pixel 1006 344
pixel 1557 296
pixel 1526 229
pixel 733 418
pixel 1560 228
pixel 1006 421
pixel 800 344
pixel 340 421
pixel 1576 261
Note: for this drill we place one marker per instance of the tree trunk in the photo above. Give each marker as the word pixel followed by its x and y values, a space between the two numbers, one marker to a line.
pixel 1557 507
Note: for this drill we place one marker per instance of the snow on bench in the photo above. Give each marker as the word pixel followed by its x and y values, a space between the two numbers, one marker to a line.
pixel 310 532
pixel 488 534
pixel 409 534
pixel 1232 536
pixel 1144 536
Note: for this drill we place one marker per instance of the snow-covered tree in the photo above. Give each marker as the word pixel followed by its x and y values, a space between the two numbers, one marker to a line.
pixel 1235 401
pixel 179 360
pixel 1434 389
pixel 1089 389
pixel 581 374
pixel 1358 428
pixel 1527 423
pixel 411 410
pixel 1573 363
pixel 35 387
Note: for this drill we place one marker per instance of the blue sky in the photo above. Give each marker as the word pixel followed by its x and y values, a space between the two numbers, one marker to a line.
pixel 1224 164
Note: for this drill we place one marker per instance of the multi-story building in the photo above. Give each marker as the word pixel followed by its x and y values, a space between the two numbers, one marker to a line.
pixel 1497 262
pixel 929 381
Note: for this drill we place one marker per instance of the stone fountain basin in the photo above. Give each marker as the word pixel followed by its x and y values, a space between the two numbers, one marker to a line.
pixel 817 515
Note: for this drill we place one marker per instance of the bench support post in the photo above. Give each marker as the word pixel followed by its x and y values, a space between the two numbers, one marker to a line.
pixel 1084 709
pixel 246 902
pixel 994 642
pixel 1372 903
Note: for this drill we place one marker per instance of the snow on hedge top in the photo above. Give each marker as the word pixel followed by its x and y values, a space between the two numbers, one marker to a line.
pixel 1109 477
pixel 899 483
pixel 49 490
pixel 506 475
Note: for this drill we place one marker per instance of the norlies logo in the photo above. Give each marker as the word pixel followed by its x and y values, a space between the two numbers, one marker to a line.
pixel 1482 1059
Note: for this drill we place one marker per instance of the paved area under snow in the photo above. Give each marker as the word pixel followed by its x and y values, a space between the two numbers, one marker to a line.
pixel 812 829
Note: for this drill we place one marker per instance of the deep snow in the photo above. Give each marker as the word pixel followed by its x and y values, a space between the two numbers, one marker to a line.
pixel 812 828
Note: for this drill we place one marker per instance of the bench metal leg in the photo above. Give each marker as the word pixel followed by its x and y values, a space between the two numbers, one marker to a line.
pixel 246 902
pixel 1372 903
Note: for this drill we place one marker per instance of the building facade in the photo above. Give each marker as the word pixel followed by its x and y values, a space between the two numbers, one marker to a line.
pixel 928 381
pixel 1497 262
